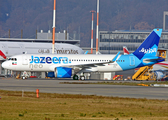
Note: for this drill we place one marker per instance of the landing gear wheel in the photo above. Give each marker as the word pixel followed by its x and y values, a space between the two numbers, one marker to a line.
pixel 82 78
pixel 75 77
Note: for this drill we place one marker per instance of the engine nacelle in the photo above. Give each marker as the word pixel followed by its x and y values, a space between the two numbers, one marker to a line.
pixel 63 72
pixel 159 75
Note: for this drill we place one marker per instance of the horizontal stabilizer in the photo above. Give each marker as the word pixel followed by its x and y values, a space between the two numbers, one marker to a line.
pixel 154 59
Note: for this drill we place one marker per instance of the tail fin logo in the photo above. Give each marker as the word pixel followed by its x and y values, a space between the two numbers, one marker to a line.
pixel 2 54
pixel 150 45
pixel 125 50
pixel 150 50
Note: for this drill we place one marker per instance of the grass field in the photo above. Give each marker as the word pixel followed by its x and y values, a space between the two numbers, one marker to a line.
pixel 63 106
pixel 118 82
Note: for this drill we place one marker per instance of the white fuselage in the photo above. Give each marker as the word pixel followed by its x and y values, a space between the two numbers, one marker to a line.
pixel 25 62
pixel 161 66
pixel 15 48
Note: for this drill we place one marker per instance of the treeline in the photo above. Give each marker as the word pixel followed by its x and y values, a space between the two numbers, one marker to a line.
pixel 74 15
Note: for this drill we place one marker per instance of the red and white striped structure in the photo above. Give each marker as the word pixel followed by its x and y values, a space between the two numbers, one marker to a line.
pixel 53 41
pixel 97 30
pixel 92 11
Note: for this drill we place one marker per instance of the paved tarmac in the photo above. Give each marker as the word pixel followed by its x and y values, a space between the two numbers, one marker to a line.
pixel 54 86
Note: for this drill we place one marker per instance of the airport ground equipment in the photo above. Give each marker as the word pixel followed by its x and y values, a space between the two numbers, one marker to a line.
pixel 23 75
pixel 118 77
pixel 146 73
pixel 18 75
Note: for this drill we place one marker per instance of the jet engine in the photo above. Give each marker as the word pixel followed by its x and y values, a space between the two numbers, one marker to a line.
pixel 159 74
pixel 63 72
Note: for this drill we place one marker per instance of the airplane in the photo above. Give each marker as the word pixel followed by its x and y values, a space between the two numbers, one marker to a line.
pixel 125 50
pixel 161 66
pixel 8 49
pixel 158 68
pixel 63 64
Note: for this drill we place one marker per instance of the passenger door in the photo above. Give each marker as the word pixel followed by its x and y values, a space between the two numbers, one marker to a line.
pixel 132 61
pixel 24 60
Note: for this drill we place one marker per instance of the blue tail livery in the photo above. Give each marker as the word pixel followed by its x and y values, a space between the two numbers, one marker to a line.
pixel 145 54
pixel 150 45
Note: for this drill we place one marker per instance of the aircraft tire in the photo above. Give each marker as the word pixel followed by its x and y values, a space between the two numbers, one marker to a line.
pixel 82 78
pixel 75 77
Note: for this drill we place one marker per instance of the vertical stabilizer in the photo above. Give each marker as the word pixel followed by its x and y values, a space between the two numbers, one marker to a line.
pixel 150 46
pixel 125 50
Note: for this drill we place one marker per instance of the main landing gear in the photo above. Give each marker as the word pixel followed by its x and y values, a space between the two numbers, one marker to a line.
pixel 76 77
pixel 82 78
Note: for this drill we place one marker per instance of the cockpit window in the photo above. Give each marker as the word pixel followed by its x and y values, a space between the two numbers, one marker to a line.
pixel 13 59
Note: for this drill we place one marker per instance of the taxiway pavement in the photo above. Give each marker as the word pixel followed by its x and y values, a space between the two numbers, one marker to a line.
pixel 54 86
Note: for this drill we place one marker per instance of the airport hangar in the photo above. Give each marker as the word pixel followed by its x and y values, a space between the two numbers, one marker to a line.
pixel 41 37
pixel 110 42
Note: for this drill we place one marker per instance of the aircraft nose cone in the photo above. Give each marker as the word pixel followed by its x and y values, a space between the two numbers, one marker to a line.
pixel 4 65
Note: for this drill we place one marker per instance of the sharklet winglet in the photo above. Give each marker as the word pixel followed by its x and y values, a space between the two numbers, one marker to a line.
pixel 114 59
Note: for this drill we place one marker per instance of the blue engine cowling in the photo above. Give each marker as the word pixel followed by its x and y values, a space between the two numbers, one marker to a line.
pixel 63 72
